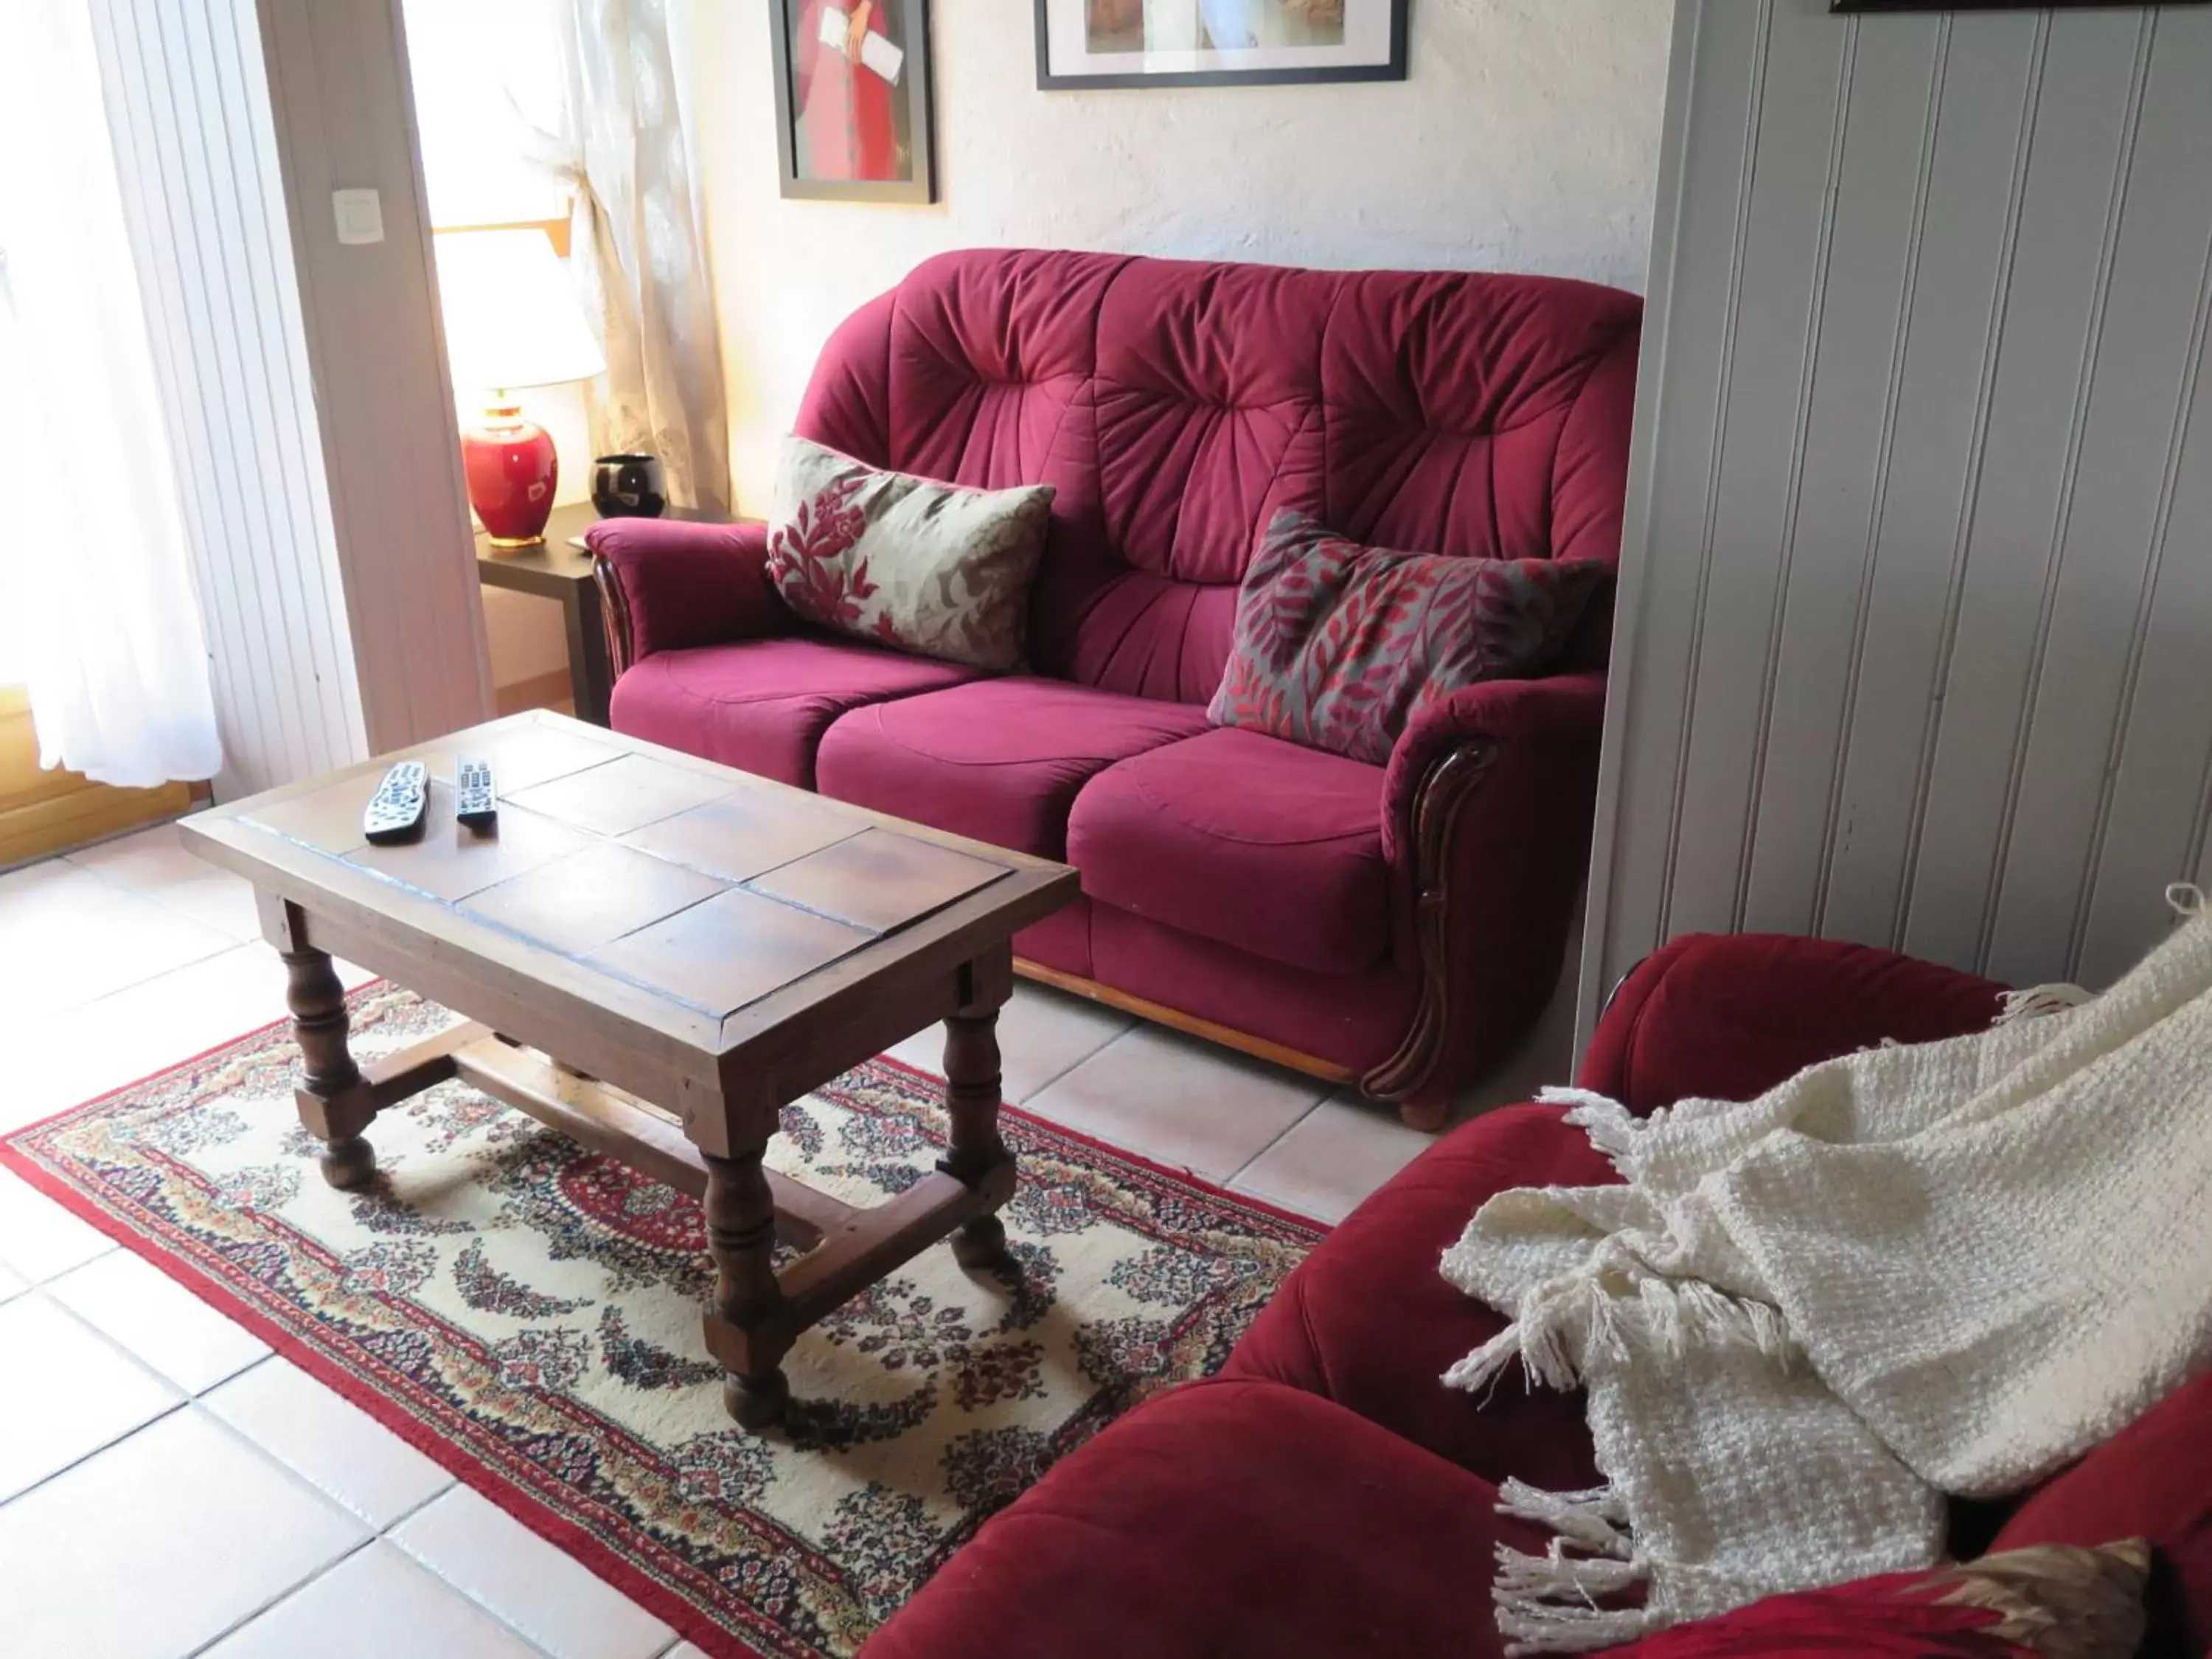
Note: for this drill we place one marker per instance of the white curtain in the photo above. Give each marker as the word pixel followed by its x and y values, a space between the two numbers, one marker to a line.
pixel 96 559
pixel 637 249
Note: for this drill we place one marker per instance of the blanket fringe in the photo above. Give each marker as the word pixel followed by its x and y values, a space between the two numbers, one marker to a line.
pixel 1548 1603
pixel 1563 1325
pixel 1596 1519
pixel 2038 1000
pixel 1611 1128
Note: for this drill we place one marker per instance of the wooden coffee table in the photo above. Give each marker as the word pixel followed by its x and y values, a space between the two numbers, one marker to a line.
pixel 657 953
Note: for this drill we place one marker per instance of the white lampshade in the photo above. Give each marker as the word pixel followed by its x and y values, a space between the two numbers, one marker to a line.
pixel 512 319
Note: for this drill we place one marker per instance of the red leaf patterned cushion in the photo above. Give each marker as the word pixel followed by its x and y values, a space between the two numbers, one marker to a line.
pixel 906 562
pixel 2052 1600
pixel 1339 645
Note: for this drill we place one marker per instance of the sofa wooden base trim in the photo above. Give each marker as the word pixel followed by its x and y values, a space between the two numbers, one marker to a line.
pixel 1404 1078
pixel 1160 1014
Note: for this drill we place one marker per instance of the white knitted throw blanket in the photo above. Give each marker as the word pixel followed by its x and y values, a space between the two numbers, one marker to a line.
pixel 1943 1268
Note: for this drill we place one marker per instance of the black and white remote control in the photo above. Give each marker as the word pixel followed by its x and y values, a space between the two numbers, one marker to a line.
pixel 476 804
pixel 395 811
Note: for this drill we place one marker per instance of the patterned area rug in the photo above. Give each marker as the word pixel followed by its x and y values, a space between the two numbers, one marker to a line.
pixel 528 1314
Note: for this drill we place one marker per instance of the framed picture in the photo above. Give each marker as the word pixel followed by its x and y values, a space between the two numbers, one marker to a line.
pixel 852 99
pixel 1218 43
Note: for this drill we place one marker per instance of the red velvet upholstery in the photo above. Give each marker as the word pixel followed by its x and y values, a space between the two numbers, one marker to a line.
pixel 1728 1018
pixel 999 760
pixel 1327 1496
pixel 762 705
pixel 2153 1479
pixel 1228 1520
pixel 679 584
pixel 1287 864
pixel 1175 407
pixel 1368 1320
pixel 1357 1018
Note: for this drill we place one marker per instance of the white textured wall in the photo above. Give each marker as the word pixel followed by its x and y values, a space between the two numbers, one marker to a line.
pixel 1917 620
pixel 1526 140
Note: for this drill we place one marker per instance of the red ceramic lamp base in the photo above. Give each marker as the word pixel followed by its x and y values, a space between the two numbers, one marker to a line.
pixel 511 469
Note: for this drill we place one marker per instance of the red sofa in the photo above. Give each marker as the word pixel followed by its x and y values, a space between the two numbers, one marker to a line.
pixel 1401 924
pixel 1326 1496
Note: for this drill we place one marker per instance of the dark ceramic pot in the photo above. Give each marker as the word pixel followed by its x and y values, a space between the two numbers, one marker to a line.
pixel 629 487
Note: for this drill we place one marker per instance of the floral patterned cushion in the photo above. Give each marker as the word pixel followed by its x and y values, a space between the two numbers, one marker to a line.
pixel 1338 645
pixel 908 563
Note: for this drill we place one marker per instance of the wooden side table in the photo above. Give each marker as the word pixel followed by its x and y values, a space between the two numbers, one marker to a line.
pixel 558 569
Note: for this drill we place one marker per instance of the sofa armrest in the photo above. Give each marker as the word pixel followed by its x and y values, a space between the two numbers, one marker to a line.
pixel 1728 1017
pixel 1564 709
pixel 1486 807
pixel 667 584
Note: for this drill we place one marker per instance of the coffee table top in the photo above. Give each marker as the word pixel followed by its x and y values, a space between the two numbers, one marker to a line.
pixel 695 902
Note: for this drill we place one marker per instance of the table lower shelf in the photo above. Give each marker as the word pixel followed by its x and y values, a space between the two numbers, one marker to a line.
pixel 845 1247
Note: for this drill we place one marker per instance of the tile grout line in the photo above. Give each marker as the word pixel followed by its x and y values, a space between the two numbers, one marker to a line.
pixel 282 1597
pixel 485 1607
pixel 37 1288
pixel 1087 1055
pixel 1236 1174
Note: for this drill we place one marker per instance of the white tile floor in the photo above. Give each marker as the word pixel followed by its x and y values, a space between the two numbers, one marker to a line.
pixel 167 1487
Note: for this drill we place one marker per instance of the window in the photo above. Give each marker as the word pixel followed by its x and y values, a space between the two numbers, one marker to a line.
pixel 487 73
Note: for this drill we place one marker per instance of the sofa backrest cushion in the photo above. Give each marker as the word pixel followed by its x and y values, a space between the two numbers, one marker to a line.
pixel 1175 406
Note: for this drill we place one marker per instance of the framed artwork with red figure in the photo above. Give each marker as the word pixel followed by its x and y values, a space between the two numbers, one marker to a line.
pixel 852 98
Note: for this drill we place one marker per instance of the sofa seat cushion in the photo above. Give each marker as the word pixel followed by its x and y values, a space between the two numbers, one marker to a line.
pixel 1367 1319
pixel 762 705
pixel 1226 1521
pixel 1246 839
pixel 1000 759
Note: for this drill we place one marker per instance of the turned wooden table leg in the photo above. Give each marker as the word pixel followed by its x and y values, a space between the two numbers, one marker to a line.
pixel 749 1305
pixel 971 1102
pixel 335 1101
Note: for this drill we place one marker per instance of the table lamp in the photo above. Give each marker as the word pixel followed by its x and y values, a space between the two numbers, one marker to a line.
pixel 512 320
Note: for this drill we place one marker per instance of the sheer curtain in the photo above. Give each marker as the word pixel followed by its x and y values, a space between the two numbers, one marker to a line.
pixel 636 248
pixel 114 655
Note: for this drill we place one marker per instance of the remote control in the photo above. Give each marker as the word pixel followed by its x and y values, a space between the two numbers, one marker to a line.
pixel 477 803
pixel 395 811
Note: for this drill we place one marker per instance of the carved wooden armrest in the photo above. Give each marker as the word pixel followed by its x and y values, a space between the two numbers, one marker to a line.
pixel 1442 795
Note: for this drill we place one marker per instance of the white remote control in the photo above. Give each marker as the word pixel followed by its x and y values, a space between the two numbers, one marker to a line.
pixel 395 811
pixel 476 802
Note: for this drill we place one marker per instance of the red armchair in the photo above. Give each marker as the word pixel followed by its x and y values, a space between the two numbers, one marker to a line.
pixel 1326 1496
pixel 1401 926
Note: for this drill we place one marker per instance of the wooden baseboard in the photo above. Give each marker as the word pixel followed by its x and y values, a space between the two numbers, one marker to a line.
pixel 43 813
pixel 1160 1014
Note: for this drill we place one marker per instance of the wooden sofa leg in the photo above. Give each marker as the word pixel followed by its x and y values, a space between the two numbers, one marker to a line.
pixel 1427 1116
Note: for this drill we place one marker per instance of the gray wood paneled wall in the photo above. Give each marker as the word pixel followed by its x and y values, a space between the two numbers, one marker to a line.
pixel 1915 635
